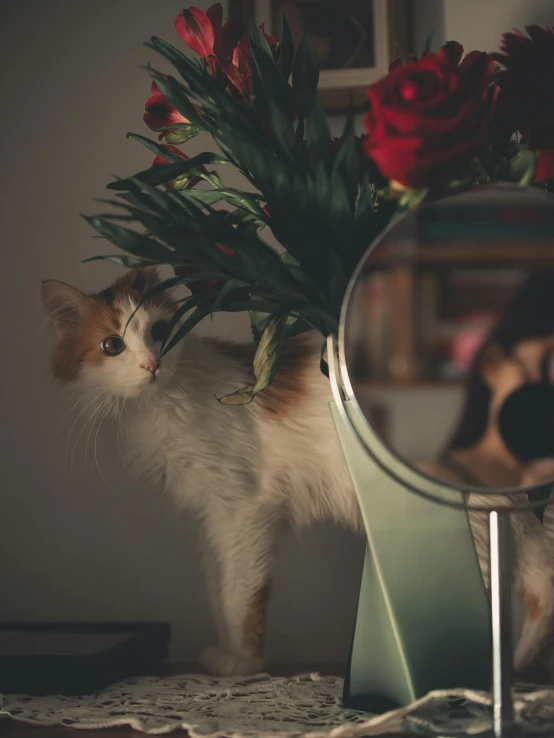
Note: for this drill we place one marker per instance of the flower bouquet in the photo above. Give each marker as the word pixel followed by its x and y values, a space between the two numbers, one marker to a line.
pixel 434 123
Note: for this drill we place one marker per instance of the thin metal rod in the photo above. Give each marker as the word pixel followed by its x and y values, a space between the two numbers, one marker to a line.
pixel 501 605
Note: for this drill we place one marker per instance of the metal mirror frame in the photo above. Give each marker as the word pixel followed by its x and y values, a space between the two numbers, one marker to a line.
pixel 380 450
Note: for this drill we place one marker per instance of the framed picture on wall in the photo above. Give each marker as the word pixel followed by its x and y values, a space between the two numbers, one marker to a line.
pixel 355 40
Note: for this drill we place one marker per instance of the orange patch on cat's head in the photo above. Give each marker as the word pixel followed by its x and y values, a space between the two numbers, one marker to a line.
pixel 83 321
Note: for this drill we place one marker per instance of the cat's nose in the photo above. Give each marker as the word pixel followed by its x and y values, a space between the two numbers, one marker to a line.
pixel 151 365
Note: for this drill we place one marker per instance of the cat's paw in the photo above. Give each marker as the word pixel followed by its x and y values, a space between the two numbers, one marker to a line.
pixel 224 663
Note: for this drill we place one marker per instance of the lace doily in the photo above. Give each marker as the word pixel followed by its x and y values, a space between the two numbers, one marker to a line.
pixel 270 707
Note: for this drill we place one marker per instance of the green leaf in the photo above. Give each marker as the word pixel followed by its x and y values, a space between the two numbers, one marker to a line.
pixel 131 241
pixel 230 286
pixel 176 95
pixel 320 185
pixel 275 88
pixel 340 208
pixel 300 274
pixel 245 306
pixel 139 213
pixel 155 199
pixel 401 54
pixel 164 172
pixel 186 66
pixel 337 278
pixel 186 327
pixel 246 200
pixel 167 284
pixel 305 74
pixel 429 41
pixel 128 218
pixel 189 303
pixel 286 57
pixel 265 362
pixel 179 134
pixel 295 326
pixel 258 322
pixel 284 133
pixel 365 198
pixel 153 175
pixel 155 148
pixel 280 177
pixel 129 262
pixel 346 162
pixel 318 137
pixel 138 201
pixel 521 167
pixel 412 198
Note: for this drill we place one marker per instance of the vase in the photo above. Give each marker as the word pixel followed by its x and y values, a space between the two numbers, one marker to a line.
pixel 423 621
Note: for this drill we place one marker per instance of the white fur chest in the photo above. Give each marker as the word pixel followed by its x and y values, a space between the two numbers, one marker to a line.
pixel 200 451
pixel 160 447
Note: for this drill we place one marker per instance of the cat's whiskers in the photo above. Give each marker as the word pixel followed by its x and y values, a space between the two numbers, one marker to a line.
pixel 110 406
pixel 96 414
pixel 202 374
pixel 80 399
pixel 119 420
pixel 87 425
pixel 83 409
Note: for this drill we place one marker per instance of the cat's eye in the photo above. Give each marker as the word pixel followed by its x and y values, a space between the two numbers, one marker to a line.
pixel 113 345
pixel 160 330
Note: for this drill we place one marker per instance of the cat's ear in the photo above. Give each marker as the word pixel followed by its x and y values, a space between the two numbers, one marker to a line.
pixel 145 279
pixel 64 305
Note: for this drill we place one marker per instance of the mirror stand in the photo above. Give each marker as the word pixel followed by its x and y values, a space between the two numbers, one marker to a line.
pixel 501 618
pixel 443 385
pixel 368 685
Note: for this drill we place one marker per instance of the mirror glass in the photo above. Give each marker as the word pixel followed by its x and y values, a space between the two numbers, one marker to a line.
pixel 448 337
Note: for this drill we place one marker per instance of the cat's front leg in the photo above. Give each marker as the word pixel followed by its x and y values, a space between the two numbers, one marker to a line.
pixel 243 546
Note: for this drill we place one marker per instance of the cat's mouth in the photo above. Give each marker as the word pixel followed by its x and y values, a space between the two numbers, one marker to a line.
pixel 153 380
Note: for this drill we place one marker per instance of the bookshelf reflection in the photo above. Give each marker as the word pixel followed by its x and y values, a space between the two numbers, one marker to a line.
pixel 428 296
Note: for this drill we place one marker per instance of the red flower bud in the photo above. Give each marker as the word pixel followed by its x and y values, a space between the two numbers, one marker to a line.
pixel 159 112
pixel 545 166
pixel 196 29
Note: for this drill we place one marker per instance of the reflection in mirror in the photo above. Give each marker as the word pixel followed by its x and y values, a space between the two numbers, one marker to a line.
pixel 449 337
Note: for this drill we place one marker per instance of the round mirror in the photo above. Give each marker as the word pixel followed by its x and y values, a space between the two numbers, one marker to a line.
pixel 447 338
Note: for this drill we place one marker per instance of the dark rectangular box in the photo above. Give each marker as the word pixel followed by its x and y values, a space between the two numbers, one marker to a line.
pixel 77 658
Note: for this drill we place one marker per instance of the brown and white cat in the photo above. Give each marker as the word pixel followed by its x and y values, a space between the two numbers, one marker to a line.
pixel 244 470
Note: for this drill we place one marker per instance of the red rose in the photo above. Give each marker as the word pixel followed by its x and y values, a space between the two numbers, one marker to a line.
pixel 525 100
pixel 428 115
